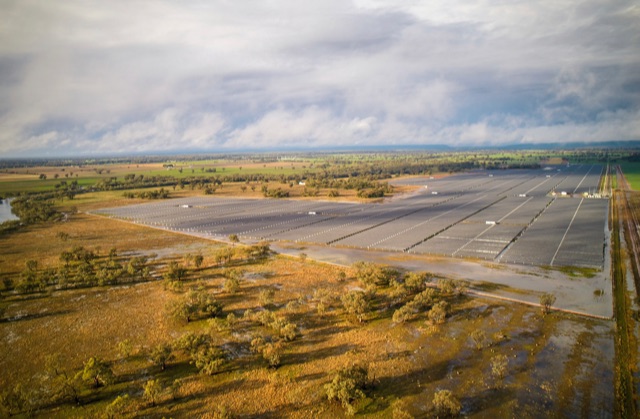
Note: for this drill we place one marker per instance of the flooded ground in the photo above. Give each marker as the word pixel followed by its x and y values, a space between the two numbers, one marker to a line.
pixel 590 296
pixel 5 211
pixel 575 293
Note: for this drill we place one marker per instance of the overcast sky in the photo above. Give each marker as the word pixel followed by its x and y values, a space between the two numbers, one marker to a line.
pixel 86 77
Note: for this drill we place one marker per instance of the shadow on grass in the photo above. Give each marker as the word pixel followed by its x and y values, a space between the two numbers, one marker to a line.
pixel 176 409
pixel 388 388
pixel 34 316
pixel 492 397
pixel 473 312
pixel 276 413
pixel 310 377
pixel 487 286
pixel 302 358
pixel 319 331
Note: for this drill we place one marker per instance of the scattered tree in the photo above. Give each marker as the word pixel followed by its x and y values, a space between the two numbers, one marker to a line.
pixel 191 342
pixel 181 310
pixel 62 384
pixel 374 274
pixel 438 313
pixel 355 303
pixel 400 411
pixel 288 332
pixel 224 255
pixel 404 314
pixel 208 359
pixel 232 282
pixel 175 272
pixel 198 259
pixel 117 407
pixel 124 348
pixel 152 391
pixel 347 386
pixel 446 404
pixel 479 338
pixel 197 302
pixel 546 301
pixel 446 286
pixel 15 399
pixel 270 351
pixel 415 281
pixel 266 297
pixel 161 354
pixel 97 371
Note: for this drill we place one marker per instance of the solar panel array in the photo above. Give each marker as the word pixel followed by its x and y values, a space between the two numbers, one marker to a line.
pixel 507 216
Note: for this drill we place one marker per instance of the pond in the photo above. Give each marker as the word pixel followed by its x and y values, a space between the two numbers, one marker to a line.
pixel 5 211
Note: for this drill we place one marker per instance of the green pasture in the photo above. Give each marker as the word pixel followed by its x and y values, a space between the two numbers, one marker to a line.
pixel 631 171
pixel 16 187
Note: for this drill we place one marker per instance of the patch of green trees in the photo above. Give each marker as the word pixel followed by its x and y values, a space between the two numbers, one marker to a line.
pixel 80 267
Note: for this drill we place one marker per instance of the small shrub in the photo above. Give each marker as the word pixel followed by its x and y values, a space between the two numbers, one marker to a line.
pixel 479 338
pixel 231 285
pixel 272 352
pixel 117 407
pixel 289 332
pixel 208 359
pixel 404 314
pixel 152 391
pixel 124 348
pixel 438 313
pixel 546 301
pixel 446 404
pixel 499 365
pixel 356 304
pixel 266 297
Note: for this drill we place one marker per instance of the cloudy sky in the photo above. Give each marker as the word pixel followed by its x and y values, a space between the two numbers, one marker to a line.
pixel 86 77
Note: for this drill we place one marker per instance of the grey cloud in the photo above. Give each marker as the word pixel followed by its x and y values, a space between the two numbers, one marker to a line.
pixel 153 75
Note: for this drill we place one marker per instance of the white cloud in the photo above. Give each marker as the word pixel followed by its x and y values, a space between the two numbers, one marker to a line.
pixel 311 126
pixel 146 75
pixel 171 129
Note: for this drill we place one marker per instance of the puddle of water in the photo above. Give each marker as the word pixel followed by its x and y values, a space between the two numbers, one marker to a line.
pixel 5 211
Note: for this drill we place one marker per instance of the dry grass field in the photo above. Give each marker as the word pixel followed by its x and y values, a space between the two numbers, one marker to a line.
pixel 556 365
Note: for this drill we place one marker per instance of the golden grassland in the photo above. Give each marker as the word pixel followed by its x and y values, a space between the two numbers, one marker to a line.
pixel 558 365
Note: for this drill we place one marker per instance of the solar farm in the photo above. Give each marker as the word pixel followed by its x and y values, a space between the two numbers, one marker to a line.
pixel 551 217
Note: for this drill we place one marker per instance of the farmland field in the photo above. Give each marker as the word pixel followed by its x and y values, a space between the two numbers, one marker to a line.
pixel 632 174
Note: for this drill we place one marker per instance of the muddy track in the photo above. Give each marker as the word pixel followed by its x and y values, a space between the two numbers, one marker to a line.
pixel 631 225
pixel 625 340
